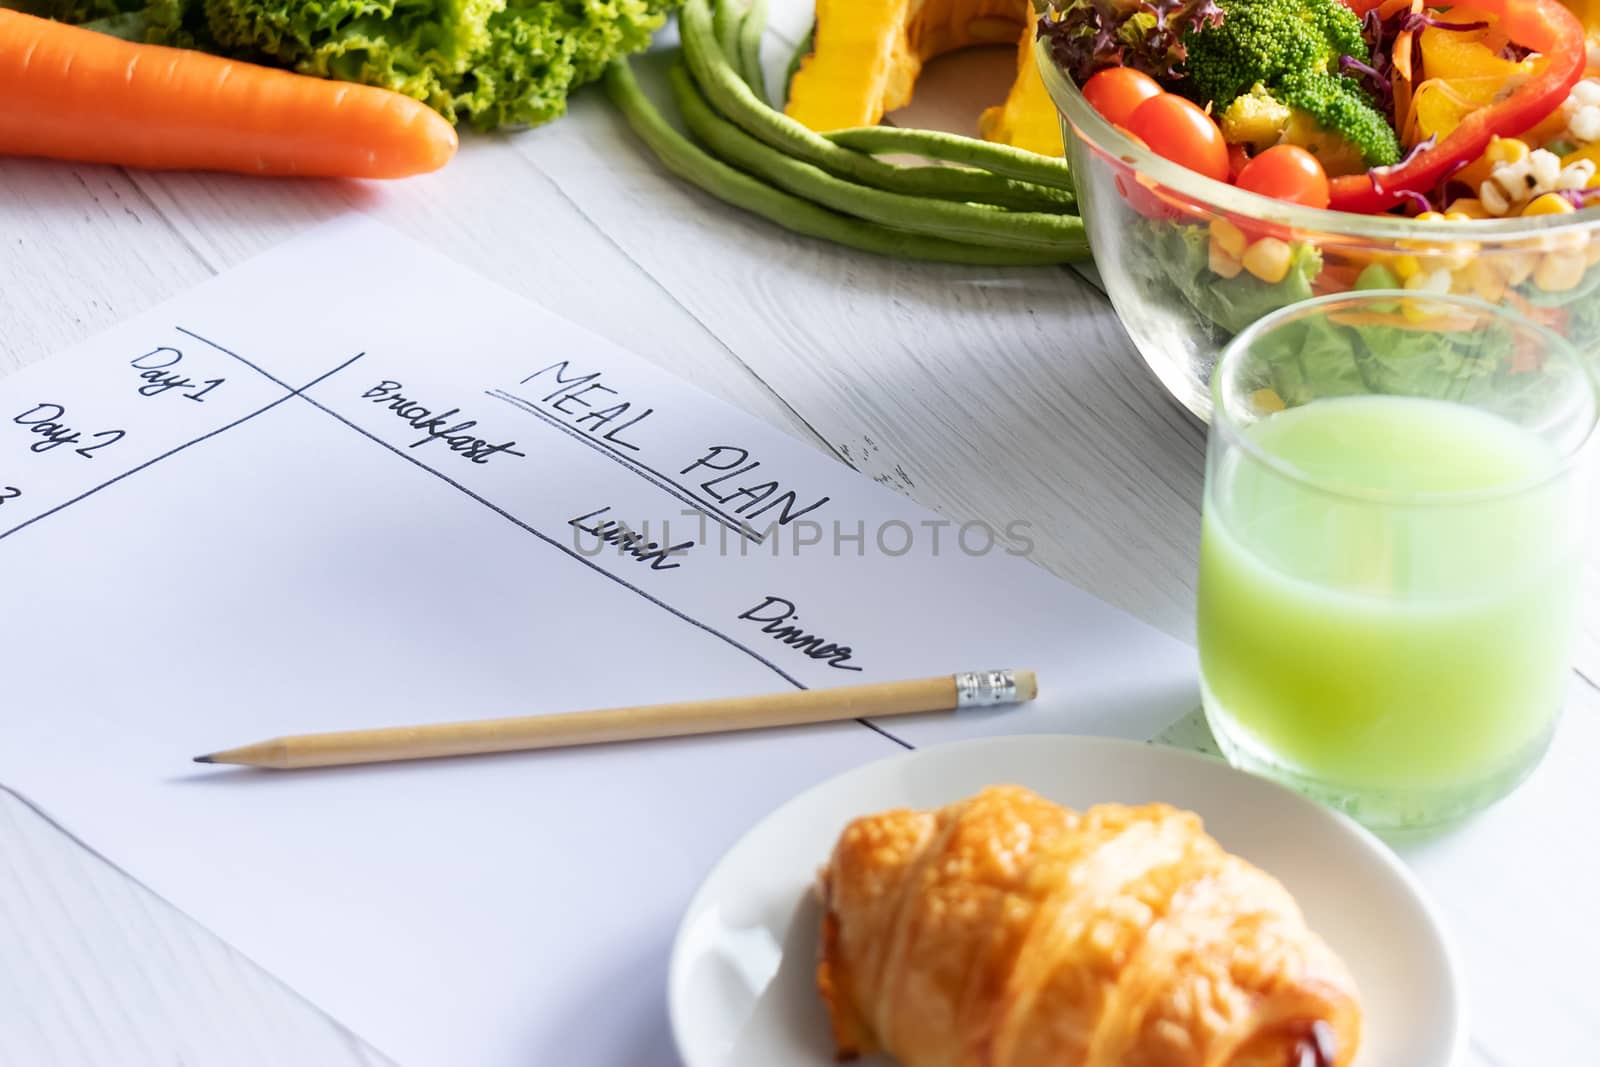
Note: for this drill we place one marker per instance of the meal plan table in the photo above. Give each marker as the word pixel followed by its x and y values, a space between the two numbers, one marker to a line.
pixel 224 523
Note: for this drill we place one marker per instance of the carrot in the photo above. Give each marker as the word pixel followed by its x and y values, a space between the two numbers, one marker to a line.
pixel 73 94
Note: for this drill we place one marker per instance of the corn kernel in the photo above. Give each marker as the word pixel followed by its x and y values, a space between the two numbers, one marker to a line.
pixel 1517 266
pixel 1558 272
pixel 1220 262
pixel 1229 236
pixel 1407 267
pixel 1268 259
pixel 1458 254
pixel 1431 216
pixel 1564 241
pixel 1468 207
pixel 1266 401
pixel 1506 150
pixel 1487 281
pixel 1418 311
pixel 1549 204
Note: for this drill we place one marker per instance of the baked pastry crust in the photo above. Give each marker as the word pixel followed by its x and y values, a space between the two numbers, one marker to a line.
pixel 1007 931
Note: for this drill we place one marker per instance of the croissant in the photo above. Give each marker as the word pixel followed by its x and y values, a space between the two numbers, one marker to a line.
pixel 1007 931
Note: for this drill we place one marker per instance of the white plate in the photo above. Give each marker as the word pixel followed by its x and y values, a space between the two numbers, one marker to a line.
pixel 740 986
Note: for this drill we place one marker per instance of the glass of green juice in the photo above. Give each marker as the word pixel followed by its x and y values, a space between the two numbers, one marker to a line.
pixel 1394 528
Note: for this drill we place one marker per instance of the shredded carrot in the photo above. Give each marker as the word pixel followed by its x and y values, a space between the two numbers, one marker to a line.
pixel 1336 277
pixel 1404 77
pixel 73 94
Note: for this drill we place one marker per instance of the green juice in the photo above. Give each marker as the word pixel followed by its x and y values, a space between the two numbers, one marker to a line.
pixel 1399 654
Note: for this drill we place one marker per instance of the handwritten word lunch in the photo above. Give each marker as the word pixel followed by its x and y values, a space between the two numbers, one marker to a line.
pixel 725 477
pixel 892 538
pixel 633 544
pixel 437 427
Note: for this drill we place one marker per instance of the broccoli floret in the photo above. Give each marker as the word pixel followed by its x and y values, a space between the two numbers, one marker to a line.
pixel 1345 130
pixel 1320 113
pixel 1260 41
pixel 1287 53
pixel 1256 119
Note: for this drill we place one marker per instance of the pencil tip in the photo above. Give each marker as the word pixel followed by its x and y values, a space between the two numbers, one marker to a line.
pixel 204 759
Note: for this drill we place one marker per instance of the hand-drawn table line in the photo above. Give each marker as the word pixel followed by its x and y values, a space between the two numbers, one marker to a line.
pixel 649 474
pixel 526 527
pixel 290 395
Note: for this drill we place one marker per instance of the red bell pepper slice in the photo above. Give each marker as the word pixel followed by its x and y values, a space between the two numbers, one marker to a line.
pixel 1545 26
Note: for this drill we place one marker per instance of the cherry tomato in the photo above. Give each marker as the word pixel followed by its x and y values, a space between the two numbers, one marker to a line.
pixel 1117 92
pixel 1287 172
pixel 1130 135
pixel 1139 197
pixel 1177 129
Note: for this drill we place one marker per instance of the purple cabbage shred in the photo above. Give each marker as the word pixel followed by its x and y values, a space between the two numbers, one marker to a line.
pixel 1374 81
pixel 1415 199
pixel 1416 20
pixel 1579 198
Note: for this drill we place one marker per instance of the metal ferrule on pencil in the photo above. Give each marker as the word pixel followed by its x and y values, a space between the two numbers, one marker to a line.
pixel 983 689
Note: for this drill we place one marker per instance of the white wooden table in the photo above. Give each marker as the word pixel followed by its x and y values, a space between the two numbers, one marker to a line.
pixel 982 393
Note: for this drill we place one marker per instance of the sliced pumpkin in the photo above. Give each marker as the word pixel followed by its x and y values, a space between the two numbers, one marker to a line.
pixel 1028 118
pixel 868 54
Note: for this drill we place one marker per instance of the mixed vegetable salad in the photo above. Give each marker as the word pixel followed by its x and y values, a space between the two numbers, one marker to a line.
pixel 1445 114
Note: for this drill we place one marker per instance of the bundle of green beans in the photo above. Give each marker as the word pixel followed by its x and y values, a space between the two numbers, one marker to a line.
pixel 996 205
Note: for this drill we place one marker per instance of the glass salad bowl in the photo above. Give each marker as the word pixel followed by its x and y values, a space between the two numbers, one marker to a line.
pixel 1188 262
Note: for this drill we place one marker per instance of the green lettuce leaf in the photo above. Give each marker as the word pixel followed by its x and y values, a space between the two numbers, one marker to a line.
pixel 1319 359
pixel 489 63
pixel 1175 256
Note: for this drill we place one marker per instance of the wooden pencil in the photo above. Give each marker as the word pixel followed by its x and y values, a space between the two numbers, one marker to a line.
pixel 940 693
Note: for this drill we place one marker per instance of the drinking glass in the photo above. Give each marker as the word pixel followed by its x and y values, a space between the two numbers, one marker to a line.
pixel 1394 526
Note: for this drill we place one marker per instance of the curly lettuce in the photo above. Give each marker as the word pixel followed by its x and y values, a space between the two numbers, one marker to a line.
pixel 489 63
pixel 1087 36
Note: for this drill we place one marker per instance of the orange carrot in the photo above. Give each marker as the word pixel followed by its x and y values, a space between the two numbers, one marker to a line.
pixel 73 94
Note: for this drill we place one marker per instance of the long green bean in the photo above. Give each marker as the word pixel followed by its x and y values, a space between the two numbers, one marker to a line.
pixel 999 158
pixel 725 18
pixel 730 95
pixel 937 218
pixel 732 186
pixel 751 30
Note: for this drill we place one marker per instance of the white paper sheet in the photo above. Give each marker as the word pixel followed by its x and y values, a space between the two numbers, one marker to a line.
pixel 335 488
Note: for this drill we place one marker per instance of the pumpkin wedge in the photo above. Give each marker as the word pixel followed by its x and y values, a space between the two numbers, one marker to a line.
pixel 1028 118
pixel 868 54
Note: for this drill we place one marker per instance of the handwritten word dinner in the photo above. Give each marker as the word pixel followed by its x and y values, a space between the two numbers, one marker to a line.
pixel 778 617
pixel 724 475
pixel 438 427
